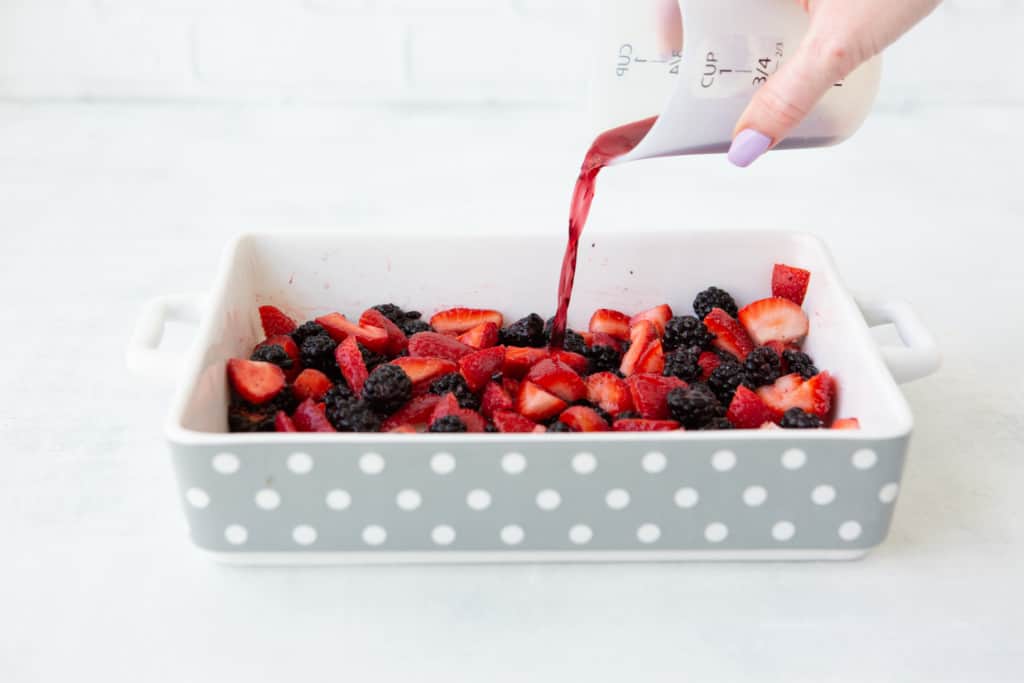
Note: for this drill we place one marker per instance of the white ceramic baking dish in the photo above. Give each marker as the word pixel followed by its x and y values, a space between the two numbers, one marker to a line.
pixel 759 494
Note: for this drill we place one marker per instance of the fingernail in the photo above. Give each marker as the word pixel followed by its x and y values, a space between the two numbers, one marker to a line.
pixel 748 146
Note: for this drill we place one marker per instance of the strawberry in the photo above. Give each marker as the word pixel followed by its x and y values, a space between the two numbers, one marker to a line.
pixel 748 411
pixel 353 368
pixel 275 321
pixel 311 384
pixel 511 387
pixel 519 360
pixel 729 334
pixel 459 320
pixel 283 423
pixel 574 360
pixel 708 361
pixel 478 367
pixel 583 419
pixel 792 391
pixel 309 417
pixel 640 335
pixel 640 425
pixel 255 381
pixel 790 283
pixel 610 392
pixel 536 404
pixel 402 429
pixel 652 360
pixel 425 370
pixel 397 341
pixel 610 322
pixel 495 398
pixel 588 337
pixel 449 405
pixel 509 422
pixel 290 347
pixel 559 379
pixel 416 412
pixel 846 423
pixel 659 315
pixel 483 336
pixel 650 394
pixel 340 328
pixel 774 319
pixel 435 345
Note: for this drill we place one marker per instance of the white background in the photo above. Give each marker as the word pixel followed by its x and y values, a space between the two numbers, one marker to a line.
pixel 137 137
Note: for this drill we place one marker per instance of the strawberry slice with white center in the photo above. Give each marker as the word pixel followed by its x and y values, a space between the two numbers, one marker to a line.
pixel 583 419
pixel 559 379
pixel 459 320
pixel 478 367
pixel 341 328
pixel 640 336
pixel 416 412
pixel 310 417
pixel 574 360
pixel 610 392
pixel 509 422
pixel 846 423
pixel 397 341
pixel 519 360
pixel 482 336
pixel 790 283
pixel 748 411
pixel 275 321
pixel 610 322
pixel 791 391
pixel 425 370
pixel 729 334
pixel 537 404
pixel 435 345
pixel 255 381
pixel 774 320
pixel 652 360
pixel 659 315
pixel 353 368
pixel 494 399
pixel 642 425
pixel 650 394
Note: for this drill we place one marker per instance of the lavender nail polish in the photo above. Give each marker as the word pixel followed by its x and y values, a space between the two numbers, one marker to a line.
pixel 747 146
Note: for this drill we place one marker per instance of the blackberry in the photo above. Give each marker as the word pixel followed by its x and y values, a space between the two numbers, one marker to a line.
pixel 245 419
pixel 306 330
pixel 797 418
pixel 317 352
pixel 683 363
pixel 718 423
pixel 694 406
pixel 338 393
pixel 387 388
pixel 455 383
pixel 573 340
pixel 411 326
pixel 603 358
pixel 799 362
pixel 629 415
pixel 448 423
pixel 352 415
pixel 413 315
pixel 724 380
pixel 528 331
pixel 762 366
pixel 683 332
pixel 371 359
pixel 273 353
pixel 713 297
pixel 726 356
pixel 559 427
pixel 392 312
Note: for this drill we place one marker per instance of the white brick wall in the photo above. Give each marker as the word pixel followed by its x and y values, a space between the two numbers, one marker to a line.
pixel 410 50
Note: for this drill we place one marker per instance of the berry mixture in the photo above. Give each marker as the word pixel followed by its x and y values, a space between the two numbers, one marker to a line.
pixel 720 366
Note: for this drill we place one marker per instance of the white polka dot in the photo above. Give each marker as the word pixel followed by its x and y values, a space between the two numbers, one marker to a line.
pixel 513 463
pixel 478 499
pixel 371 463
pixel 268 499
pixel 654 462
pixel 648 533
pixel 888 493
pixel 236 534
pixel 864 459
pixel 304 534
pixel 226 463
pixel 584 463
pixel 823 494
pixel 716 532
pixel 300 463
pixel 338 499
pixel 442 463
pixel 512 534
pixel 408 499
pixel 617 499
pixel 548 499
pixel 783 531
pixel 755 495
pixel 374 535
pixel 686 497
pixel 794 459
pixel 849 531
pixel 197 498
pixel 723 461
pixel 443 534
pixel 581 534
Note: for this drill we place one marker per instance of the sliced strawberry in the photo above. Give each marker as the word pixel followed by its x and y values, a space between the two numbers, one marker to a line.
pixel 659 315
pixel 574 360
pixel 652 360
pixel 290 347
pixel 436 345
pixel 846 423
pixel 650 394
pixel 519 360
pixel 511 386
pixel 283 423
pixel 770 425
pixel 401 429
pixel 583 419
pixel 774 319
pixel 449 405
pixel 275 321
pixel 397 341
pixel 425 370
pixel 255 381
pixel 353 368
pixel 309 417
pixel 708 361
pixel 311 384
pixel 495 398
pixel 791 391
pixel 588 337
pixel 341 328
pixel 641 425
pixel 559 379
pixel 483 336
pixel 790 283
pixel 602 339
pixel 610 392
pixel 478 367
pixel 748 411
pixel 416 412
pixel 640 336
pixel 459 320
pixel 510 423
pixel 537 404
pixel 729 334
pixel 610 322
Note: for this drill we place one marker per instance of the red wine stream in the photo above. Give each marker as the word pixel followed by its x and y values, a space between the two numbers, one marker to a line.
pixel 608 145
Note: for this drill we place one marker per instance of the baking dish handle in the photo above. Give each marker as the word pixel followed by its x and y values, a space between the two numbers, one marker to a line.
pixel 919 357
pixel 144 356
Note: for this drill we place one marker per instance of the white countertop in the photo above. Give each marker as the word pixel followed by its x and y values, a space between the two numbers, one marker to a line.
pixel 104 206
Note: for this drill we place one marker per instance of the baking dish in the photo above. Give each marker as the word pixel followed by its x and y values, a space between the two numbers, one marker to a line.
pixel 758 494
